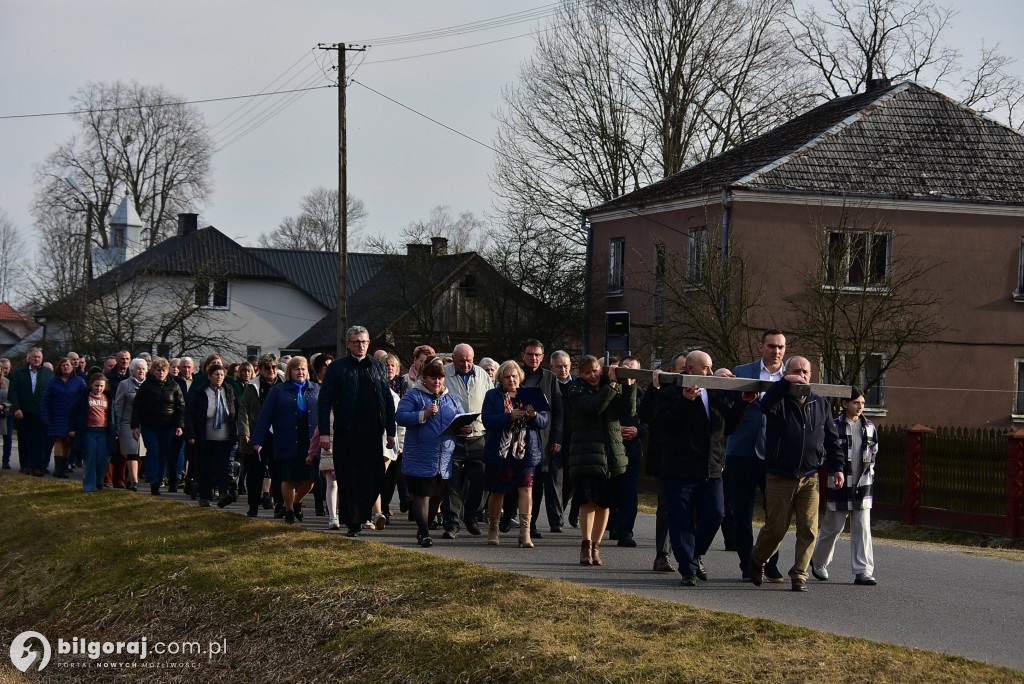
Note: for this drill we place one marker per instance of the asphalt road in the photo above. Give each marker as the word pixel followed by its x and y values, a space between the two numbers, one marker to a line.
pixel 930 597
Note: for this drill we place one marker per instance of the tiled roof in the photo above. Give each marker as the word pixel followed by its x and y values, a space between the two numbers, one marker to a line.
pixel 8 313
pixel 901 141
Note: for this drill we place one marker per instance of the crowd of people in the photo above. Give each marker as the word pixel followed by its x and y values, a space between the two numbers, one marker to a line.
pixel 469 442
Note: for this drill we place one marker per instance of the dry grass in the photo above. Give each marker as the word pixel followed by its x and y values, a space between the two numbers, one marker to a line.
pixel 295 605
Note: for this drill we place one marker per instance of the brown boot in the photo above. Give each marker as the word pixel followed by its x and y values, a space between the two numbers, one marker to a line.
pixel 585 557
pixel 594 555
pixel 524 532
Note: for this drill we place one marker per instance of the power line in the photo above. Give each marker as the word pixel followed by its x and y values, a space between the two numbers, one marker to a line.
pixel 164 104
pixel 536 13
pixel 418 113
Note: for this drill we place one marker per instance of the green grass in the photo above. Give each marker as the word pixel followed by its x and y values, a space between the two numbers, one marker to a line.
pixel 295 605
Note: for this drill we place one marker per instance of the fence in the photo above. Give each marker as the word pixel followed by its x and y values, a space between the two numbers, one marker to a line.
pixel 969 479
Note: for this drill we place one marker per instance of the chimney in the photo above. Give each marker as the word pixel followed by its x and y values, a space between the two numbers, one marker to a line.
pixel 874 84
pixel 187 223
pixel 418 251
pixel 439 246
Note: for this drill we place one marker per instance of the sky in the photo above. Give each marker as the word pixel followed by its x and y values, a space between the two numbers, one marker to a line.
pixel 399 163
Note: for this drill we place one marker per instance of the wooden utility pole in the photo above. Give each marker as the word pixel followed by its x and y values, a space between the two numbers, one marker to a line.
pixel 342 310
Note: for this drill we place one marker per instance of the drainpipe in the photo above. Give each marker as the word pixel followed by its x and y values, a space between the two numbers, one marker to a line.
pixel 726 217
pixel 584 225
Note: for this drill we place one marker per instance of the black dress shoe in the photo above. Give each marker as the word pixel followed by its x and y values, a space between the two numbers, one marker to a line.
pixel 799 584
pixel 628 542
pixel 701 573
pixel 426 542
pixel 450 533
pixel 504 524
pixel 352 532
pixel 688 581
pixel 535 533
pixel 756 572
pixel 289 517
pixel 319 510
pixel 472 527
pixel 253 512
pixel 266 501
pixel 297 509
pixel 556 529
pixel 154 488
pixel 279 511
pixel 225 500
pixel 865 580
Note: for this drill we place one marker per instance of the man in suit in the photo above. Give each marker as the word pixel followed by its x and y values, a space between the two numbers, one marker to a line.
pixel 694 424
pixel 561 366
pixel 26 396
pixel 744 461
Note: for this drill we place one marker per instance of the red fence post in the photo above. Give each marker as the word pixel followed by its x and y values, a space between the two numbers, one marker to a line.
pixel 1014 483
pixel 912 476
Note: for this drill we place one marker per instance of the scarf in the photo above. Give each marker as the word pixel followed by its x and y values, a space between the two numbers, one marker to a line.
pixel 220 409
pixel 513 437
pixel 300 402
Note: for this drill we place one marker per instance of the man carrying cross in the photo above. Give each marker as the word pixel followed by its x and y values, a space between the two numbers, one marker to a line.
pixel 694 423
pixel 799 438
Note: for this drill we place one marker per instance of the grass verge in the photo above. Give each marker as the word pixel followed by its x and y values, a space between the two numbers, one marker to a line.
pixel 294 605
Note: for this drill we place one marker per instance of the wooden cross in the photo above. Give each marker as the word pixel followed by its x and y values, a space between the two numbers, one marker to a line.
pixel 732 384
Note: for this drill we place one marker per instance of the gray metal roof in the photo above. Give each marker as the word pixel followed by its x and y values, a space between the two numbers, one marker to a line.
pixel 316 273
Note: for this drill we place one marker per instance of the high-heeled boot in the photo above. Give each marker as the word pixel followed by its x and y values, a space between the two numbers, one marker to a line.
pixel 524 532
pixel 492 531
pixel 595 557
pixel 585 557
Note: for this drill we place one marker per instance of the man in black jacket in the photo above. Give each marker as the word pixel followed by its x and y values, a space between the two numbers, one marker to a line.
pixel 356 388
pixel 799 437
pixel 694 424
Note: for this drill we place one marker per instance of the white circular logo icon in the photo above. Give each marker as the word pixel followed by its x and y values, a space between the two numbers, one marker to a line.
pixel 24 653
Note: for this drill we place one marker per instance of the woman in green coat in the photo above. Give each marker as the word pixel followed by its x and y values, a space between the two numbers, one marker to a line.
pixel 596 455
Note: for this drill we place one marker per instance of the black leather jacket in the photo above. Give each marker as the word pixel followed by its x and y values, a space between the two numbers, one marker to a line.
pixel 158 405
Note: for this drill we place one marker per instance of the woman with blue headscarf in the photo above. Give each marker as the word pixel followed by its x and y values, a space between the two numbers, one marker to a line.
pixel 290 409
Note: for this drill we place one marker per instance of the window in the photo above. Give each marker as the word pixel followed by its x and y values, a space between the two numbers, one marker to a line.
pixel 1019 294
pixel 871 370
pixel 212 295
pixel 697 255
pixel 252 351
pixel 658 300
pixel 616 264
pixel 858 259
pixel 1018 397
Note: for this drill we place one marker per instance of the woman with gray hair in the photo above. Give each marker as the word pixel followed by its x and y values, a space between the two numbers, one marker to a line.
pixel 129 448
pixel 491 366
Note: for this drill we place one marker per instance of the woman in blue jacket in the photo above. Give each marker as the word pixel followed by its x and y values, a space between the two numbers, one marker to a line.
pixel 512 450
pixel 58 398
pixel 291 409
pixel 425 412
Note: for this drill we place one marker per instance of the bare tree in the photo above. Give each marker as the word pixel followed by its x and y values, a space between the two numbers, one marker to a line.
pixel 865 307
pixel 858 41
pixel 133 138
pixel 700 298
pixel 465 233
pixel 12 257
pixel 316 226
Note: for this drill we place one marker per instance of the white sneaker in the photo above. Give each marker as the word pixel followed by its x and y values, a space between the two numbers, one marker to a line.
pixel 379 521
pixel 332 524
